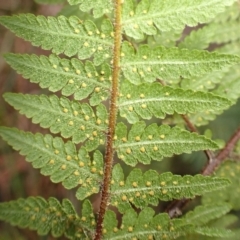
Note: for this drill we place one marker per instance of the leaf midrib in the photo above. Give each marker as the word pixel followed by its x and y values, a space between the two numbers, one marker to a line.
pixel 185 186
pixel 169 142
pixel 173 62
pixel 165 99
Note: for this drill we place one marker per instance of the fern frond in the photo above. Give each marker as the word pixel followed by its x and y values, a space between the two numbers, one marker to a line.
pixel 100 7
pixel 167 39
pixel 169 64
pixel 58 160
pixel 143 226
pixel 203 118
pixel 70 76
pixel 70 118
pixel 231 48
pixel 212 33
pixel 140 189
pixel 205 82
pixel 148 16
pixel 230 170
pixel 147 226
pixel 231 13
pixel 229 88
pixel 205 213
pixel 230 84
pixel 215 232
pixel 62 35
pixel 155 142
pixel 45 216
pixel 148 100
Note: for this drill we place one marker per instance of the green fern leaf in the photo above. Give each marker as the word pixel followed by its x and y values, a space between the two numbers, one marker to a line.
pixel 231 48
pixel 143 226
pixel 148 100
pixel 45 216
pixel 69 36
pixel 230 84
pixel 100 7
pixel 153 142
pixel 169 64
pixel 167 39
pixel 230 170
pixel 69 118
pixel 59 160
pixel 70 76
pixel 142 189
pixel 212 33
pixel 205 82
pixel 205 213
pixel 229 88
pixel 231 13
pixel 215 232
pixel 147 226
pixel 148 16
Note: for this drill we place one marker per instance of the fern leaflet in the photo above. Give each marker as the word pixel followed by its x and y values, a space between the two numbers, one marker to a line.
pixel 142 189
pixel 59 160
pixel 45 216
pixel 148 100
pixel 100 7
pixel 212 33
pixel 169 64
pixel 205 213
pixel 154 142
pixel 69 36
pixel 70 76
pixel 69 118
pixel 148 16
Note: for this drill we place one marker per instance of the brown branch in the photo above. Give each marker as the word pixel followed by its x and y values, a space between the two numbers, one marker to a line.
pixel 175 207
pixel 105 191
pixel 210 155
pixel 222 155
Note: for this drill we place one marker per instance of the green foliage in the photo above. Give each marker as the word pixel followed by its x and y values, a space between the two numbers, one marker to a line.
pixel 148 16
pixel 59 160
pixel 99 7
pixel 157 100
pixel 230 194
pixel 202 38
pixel 154 142
pixel 70 76
pixel 147 226
pixel 138 66
pixel 204 214
pixel 64 35
pixel 45 216
pixel 69 118
pixel 168 64
pixel 142 189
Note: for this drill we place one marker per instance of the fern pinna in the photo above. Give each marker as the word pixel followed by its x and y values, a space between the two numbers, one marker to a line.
pixel 136 84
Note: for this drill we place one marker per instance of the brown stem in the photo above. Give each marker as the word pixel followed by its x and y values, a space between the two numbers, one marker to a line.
pixel 208 153
pixel 210 168
pixel 105 192
pixel 175 207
